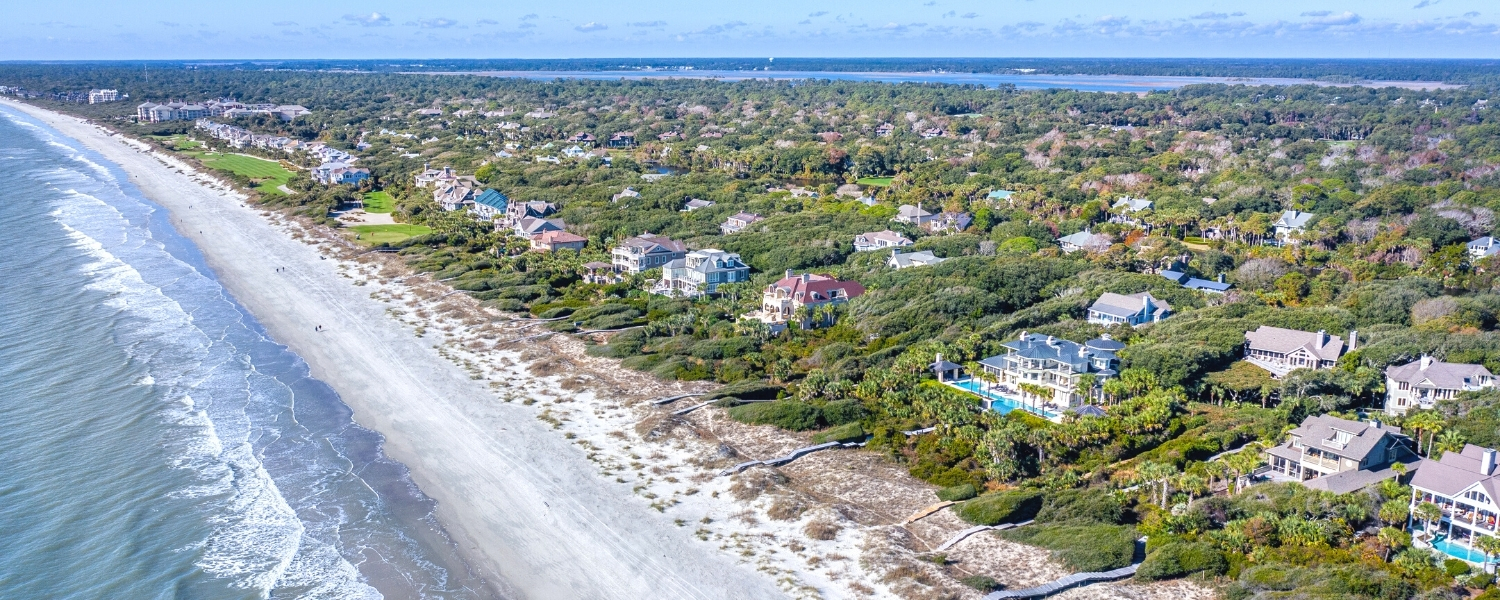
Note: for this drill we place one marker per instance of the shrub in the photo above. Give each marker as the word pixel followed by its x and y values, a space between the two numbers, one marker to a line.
pixel 745 390
pixel 1002 507
pixel 821 530
pixel 1081 547
pixel 1455 567
pixel 786 414
pixel 840 412
pixel 553 313
pixel 845 432
pixel 957 493
pixel 506 304
pixel 1482 581
pixel 1092 506
pixel 981 583
pixel 1176 560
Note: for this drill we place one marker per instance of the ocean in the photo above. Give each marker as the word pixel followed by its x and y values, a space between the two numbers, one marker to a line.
pixel 154 441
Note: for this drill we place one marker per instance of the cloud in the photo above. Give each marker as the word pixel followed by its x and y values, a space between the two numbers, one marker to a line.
pixel 1344 18
pixel 929 4
pixel 285 23
pixel 529 17
pixel 438 23
pixel 527 25
pixel 1237 14
pixel 590 27
pixel 1317 13
pixel 805 22
pixel 818 14
pixel 486 22
pixel 170 24
pixel 1426 3
pixel 722 28
pixel 969 15
pixel 1471 14
pixel 951 13
pixel 646 24
pixel 1209 15
pixel 373 19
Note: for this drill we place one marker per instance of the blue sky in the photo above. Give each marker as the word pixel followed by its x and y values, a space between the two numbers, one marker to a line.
pixel 71 29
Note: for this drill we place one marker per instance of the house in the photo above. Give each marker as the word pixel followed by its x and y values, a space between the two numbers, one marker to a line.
pixel 668 136
pixel 1000 195
pixel 1281 351
pixel 430 177
pixel 102 96
pixel 530 227
pixel 932 132
pixel 1421 383
pixel 1126 204
pixel 946 371
pixel 701 272
pixel 490 204
pixel 739 222
pixel 516 211
pixel 1193 283
pixel 695 204
pixel 623 139
pixel 1134 309
pixel 885 130
pixel 1084 240
pixel 582 138
pixel 600 273
pixel 290 112
pixel 912 259
pixel 880 240
pixel 1291 222
pixel 913 215
pixel 552 240
pixel 796 297
pixel 645 252
pixel 1339 455
pixel 1036 362
pixel 948 222
pixel 575 152
pixel 1464 486
pixel 628 192
pixel 336 173
pixel 454 195
pixel 1484 247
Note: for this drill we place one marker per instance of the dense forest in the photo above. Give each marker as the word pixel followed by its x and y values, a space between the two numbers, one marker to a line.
pixel 1397 180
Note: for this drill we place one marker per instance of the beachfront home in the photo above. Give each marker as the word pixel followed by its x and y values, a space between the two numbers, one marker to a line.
pixel 490 204
pixel 646 251
pixel 1046 375
pixel 600 273
pixel 1133 309
pixel 515 212
pixel 1465 486
pixel 1339 455
pixel 454 195
pixel 1421 383
pixel 1084 240
pixel 1207 286
pixel 582 138
pixel 1281 351
pixel 738 222
pixel 1291 222
pixel 430 177
pixel 797 298
pixel 1483 248
pixel 628 192
pixel 1126 208
pixel 913 215
pixel 530 227
pixel 701 272
pixel 948 222
pixel 912 259
pixel 339 173
pixel 880 240
pixel 553 240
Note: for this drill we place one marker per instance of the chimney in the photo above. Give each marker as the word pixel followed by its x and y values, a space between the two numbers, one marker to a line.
pixel 790 273
pixel 1487 462
pixel 1146 301
pixel 1353 340
pixel 1221 278
pixel 1322 338
pixel 1426 362
pixel 1023 334
pixel 806 277
pixel 939 358
pixel 1375 423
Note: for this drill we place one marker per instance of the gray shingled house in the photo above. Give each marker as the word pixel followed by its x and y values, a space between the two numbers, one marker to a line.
pixel 1134 309
pixel 1421 383
pixel 1339 455
pixel 1282 351
pixel 1465 486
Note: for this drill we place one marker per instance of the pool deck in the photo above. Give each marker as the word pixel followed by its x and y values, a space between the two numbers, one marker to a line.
pixel 1000 402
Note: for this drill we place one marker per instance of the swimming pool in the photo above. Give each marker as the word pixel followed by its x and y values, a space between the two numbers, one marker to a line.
pixel 1457 551
pixel 999 403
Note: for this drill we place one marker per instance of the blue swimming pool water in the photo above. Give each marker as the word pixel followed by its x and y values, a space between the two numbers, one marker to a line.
pixel 999 403
pixel 1457 551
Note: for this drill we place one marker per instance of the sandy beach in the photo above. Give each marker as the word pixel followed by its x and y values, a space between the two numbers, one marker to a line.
pixel 554 473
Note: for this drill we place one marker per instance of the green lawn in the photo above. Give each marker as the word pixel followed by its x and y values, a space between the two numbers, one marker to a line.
pixel 268 173
pixel 178 142
pixel 390 234
pixel 876 181
pixel 379 202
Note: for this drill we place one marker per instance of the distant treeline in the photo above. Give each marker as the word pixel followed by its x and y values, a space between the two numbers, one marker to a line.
pixel 1470 71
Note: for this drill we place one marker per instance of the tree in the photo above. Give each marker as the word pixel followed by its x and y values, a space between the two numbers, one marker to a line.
pixel 1395 511
pixel 1393 539
pixel 1490 546
pixel 1428 513
pixel 1450 441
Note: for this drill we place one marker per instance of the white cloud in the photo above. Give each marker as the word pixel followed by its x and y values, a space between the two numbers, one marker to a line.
pixel 285 23
pixel 969 15
pixel 646 24
pixel 1426 3
pixel 438 23
pixel 951 13
pixel 1210 15
pixel 486 22
pixel 373 19
pixel 818 14
pixel 1471 14
pixel 529 17
pixel 1344 18
pixel 591 27
pixel 1317 13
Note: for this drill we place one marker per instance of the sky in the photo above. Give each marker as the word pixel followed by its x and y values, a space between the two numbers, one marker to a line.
pixel 352 29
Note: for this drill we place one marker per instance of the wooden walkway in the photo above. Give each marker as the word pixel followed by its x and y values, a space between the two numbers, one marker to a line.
pixel 927 511
pixel 795 454
pixel 671 399
pixel 962 535
pixel 1074 580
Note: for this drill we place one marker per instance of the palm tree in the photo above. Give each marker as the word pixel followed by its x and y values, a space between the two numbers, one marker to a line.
pixel 1194 484
pixel 1490 546
pixel 1429 513
pixel 1395 511
pixel 1450 441
pixel 1393 539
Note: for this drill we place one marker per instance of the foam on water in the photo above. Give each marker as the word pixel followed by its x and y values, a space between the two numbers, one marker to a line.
pixel 272 492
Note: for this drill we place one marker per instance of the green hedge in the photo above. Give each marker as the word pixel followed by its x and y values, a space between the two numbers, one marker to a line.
pixel 1176 560
pixel 786 414
pixel 848 432
pixel 957 493
pixel 1081 547
pixel 1083 506
pixel 1002 507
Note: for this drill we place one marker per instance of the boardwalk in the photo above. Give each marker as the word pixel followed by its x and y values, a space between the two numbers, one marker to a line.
pixel 973 530
pixel 795 454
pixel 1076 579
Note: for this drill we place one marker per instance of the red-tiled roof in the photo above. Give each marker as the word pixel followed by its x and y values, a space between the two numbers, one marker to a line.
pixel 812 288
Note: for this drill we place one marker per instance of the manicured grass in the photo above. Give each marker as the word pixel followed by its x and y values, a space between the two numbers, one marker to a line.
pixel 390 234
pixel 876 181
pixel 268 173
pixel 178 142
pixel 379 202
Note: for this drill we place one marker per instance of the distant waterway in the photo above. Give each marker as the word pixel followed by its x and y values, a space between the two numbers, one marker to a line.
pixel 154 441
pixel 1085 83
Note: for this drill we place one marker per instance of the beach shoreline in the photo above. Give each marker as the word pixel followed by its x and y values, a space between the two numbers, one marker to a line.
pixel 524 509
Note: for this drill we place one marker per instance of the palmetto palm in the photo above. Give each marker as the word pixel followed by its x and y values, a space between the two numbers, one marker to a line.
pixel 1489 545
pixel 1450 441
pixel 1429 513
pixel 1393 539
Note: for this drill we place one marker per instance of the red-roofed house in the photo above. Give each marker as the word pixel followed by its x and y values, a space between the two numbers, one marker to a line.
pixel 548 241
pixel 782 300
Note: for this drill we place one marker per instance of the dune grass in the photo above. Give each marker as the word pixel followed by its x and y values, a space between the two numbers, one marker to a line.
pixel 387 234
